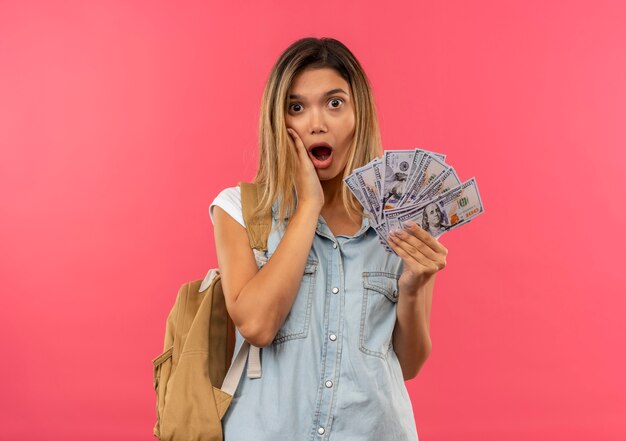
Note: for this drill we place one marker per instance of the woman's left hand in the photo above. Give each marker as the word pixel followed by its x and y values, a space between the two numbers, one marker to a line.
pixel 421 253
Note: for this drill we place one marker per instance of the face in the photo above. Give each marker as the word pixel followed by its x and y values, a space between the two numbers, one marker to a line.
pixel 320 109
pixel 432 215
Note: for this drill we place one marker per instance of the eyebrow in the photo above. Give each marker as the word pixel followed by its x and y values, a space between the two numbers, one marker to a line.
pixel 330 92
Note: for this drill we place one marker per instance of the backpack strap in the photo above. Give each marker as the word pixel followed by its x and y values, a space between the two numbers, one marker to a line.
pixel 231 380
pixel 258 227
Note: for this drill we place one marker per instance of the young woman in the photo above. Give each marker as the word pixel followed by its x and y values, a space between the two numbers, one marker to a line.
pixel 341 322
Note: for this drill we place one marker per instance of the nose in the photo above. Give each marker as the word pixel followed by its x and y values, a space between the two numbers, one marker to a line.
pixel 317 123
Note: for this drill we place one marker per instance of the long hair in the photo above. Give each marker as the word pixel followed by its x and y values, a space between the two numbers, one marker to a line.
pixel 278 162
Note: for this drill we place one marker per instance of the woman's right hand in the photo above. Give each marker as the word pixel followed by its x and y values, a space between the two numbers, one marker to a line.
pixel 308 186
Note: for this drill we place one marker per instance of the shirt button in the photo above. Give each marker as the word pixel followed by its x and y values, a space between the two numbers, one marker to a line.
pixel 333 337
pixel 321 431
pixel 335 245
pixel 329 383
pixel 335 290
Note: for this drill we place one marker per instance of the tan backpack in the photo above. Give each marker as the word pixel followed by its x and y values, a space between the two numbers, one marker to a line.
pixel 198 348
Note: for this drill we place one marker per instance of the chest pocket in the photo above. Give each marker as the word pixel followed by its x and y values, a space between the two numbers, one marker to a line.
pixel 298 321
pixel 378 312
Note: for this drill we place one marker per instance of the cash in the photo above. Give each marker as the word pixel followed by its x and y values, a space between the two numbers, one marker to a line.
pixel 416 185
pixel 398 167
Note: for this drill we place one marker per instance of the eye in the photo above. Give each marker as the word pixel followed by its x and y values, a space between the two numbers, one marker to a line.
pixel 335 103
pixel 295 107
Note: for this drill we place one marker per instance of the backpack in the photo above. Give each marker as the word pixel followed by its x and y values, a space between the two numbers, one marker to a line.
pixel 198 349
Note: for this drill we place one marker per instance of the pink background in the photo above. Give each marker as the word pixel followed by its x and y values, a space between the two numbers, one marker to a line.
pixel 121 121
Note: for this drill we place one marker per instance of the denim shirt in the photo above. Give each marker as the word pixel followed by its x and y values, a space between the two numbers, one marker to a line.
pixel 331 372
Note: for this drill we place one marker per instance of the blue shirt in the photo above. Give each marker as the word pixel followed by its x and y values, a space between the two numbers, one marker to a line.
pixel 331 373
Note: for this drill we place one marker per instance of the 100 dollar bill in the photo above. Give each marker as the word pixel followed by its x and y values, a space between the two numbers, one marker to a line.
pixel 397 169
pixel 450 210
pixel 444 182
pixel 429 168
pixel 368 179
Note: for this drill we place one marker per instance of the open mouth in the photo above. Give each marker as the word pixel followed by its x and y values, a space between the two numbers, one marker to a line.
pixel 321 152
pixel 321 155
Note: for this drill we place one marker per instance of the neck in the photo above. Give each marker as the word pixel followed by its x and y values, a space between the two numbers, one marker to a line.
pixel 332 199
pixel 332 191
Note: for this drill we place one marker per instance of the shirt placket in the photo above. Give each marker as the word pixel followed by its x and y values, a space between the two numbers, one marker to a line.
pixel 331 351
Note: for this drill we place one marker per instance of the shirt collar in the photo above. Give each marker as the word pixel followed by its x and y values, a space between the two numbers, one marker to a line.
pixel 322 227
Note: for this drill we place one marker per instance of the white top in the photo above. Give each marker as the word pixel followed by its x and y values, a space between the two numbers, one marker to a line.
pixel 229 200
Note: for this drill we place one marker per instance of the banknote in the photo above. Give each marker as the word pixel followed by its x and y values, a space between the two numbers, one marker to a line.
pixel 415 185
pixel 444 182
pixel 353 184
pixel 378 171
pixel 381 230
pixel 428 169
pixel 397 168
pixel 368 178
pixel 439 156
pixel 448 211
pixel 365 184
pixel 392 215
pixel 417 157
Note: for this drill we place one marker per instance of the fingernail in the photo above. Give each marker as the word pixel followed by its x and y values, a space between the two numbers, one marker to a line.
pixel 408 224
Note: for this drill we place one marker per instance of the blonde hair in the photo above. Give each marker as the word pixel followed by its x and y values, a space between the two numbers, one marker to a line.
pixel 277 160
